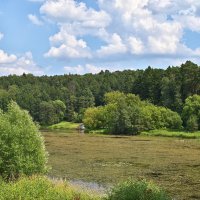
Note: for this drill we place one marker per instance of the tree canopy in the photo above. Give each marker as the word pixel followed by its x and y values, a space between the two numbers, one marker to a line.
pixel 127 114
pixel 22 148
pixel 162 87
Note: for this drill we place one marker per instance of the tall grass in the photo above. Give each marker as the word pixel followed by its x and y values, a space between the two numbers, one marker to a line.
pixel 64 126
pixel 141 190
pixel 40 188
pixel 169 133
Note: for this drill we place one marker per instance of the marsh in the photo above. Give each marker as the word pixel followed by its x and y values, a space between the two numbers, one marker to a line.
pixel 172 163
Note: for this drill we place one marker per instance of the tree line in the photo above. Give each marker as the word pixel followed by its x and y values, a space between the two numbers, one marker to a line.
pixel 50 99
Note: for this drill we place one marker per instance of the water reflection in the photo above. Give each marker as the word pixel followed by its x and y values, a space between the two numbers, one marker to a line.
pixel 81 185
pixel 89 186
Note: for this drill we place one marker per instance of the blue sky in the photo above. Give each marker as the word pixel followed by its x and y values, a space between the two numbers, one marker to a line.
pixel 68 36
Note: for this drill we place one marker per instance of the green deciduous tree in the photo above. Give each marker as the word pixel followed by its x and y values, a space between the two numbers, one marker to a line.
pixel 94 118
pixel 4 99
pixel 191 113
pixel 59 109
pixel 51 112
pixel 192 123
pixel 22 148
pixel 127 114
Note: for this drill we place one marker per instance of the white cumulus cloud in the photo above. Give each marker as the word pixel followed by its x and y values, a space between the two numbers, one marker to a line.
pixel 136 45
pixel 70 11
pixel 34 19
pixel 67 46
pixel 12 64
pixel 122 28
pixel 5 58
pixel 115 46
pixel 82 69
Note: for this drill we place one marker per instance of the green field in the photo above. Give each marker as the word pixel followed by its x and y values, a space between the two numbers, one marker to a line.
pixel 169 133
pixel 63 126
pixel 172 163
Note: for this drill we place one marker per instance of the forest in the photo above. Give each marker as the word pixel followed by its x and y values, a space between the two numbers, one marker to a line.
pixel 146 103
pixel 51 99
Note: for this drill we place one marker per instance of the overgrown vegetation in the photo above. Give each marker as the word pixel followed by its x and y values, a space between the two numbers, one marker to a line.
pixel 41 188
pixel 141 190
pixel 170 133
pixel 169 88
pixel 127 114
pixel 126 102
pixel 51 112
pixel 168 162
pixel 22 149
pixel 191 114
pixel 64 126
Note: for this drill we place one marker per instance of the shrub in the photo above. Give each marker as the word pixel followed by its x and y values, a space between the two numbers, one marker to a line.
pixel 142 190
pixel 94 118
pixel 192 123
pixel 191 114
pixel 22 148
pixel 41 188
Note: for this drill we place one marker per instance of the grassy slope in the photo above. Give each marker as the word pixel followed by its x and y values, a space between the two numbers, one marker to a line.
pixel 64 126
pixel 172 163
pixel 168 133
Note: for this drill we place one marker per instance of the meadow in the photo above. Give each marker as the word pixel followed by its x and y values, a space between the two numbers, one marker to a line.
pixel 171 163
pixel 170 133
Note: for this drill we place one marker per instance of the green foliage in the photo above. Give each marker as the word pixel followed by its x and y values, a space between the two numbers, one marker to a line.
pixel 94 118
pixel 156 117
pixel 191 113
pixel 171 133
pixel 38 187
pixel 46 113
pixel 70 108
pixel 4 99
pixel 64 126
pixel 22 148
pixel 127 114
pixel 51 112
pixel 192 123
pixel 59 109
pixel 85 100
pixel 141 190
pixel 41 188
pixel 171 93
pixel 169 88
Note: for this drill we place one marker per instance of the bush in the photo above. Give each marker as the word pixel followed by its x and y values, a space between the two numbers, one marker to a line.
pixel 191 114
pixel 127 114
pixel 40 188
pixel 142 190
pixel 22 148
pixel 192 123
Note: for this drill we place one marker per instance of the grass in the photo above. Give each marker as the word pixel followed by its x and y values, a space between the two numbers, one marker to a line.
pixel 98 131
pixel 172 163
pixel 140 190
pixel 169 133
pixel 41 188
pixel 64 126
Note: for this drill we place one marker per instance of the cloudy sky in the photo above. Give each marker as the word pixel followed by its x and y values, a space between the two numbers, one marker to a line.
pixel 87 36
